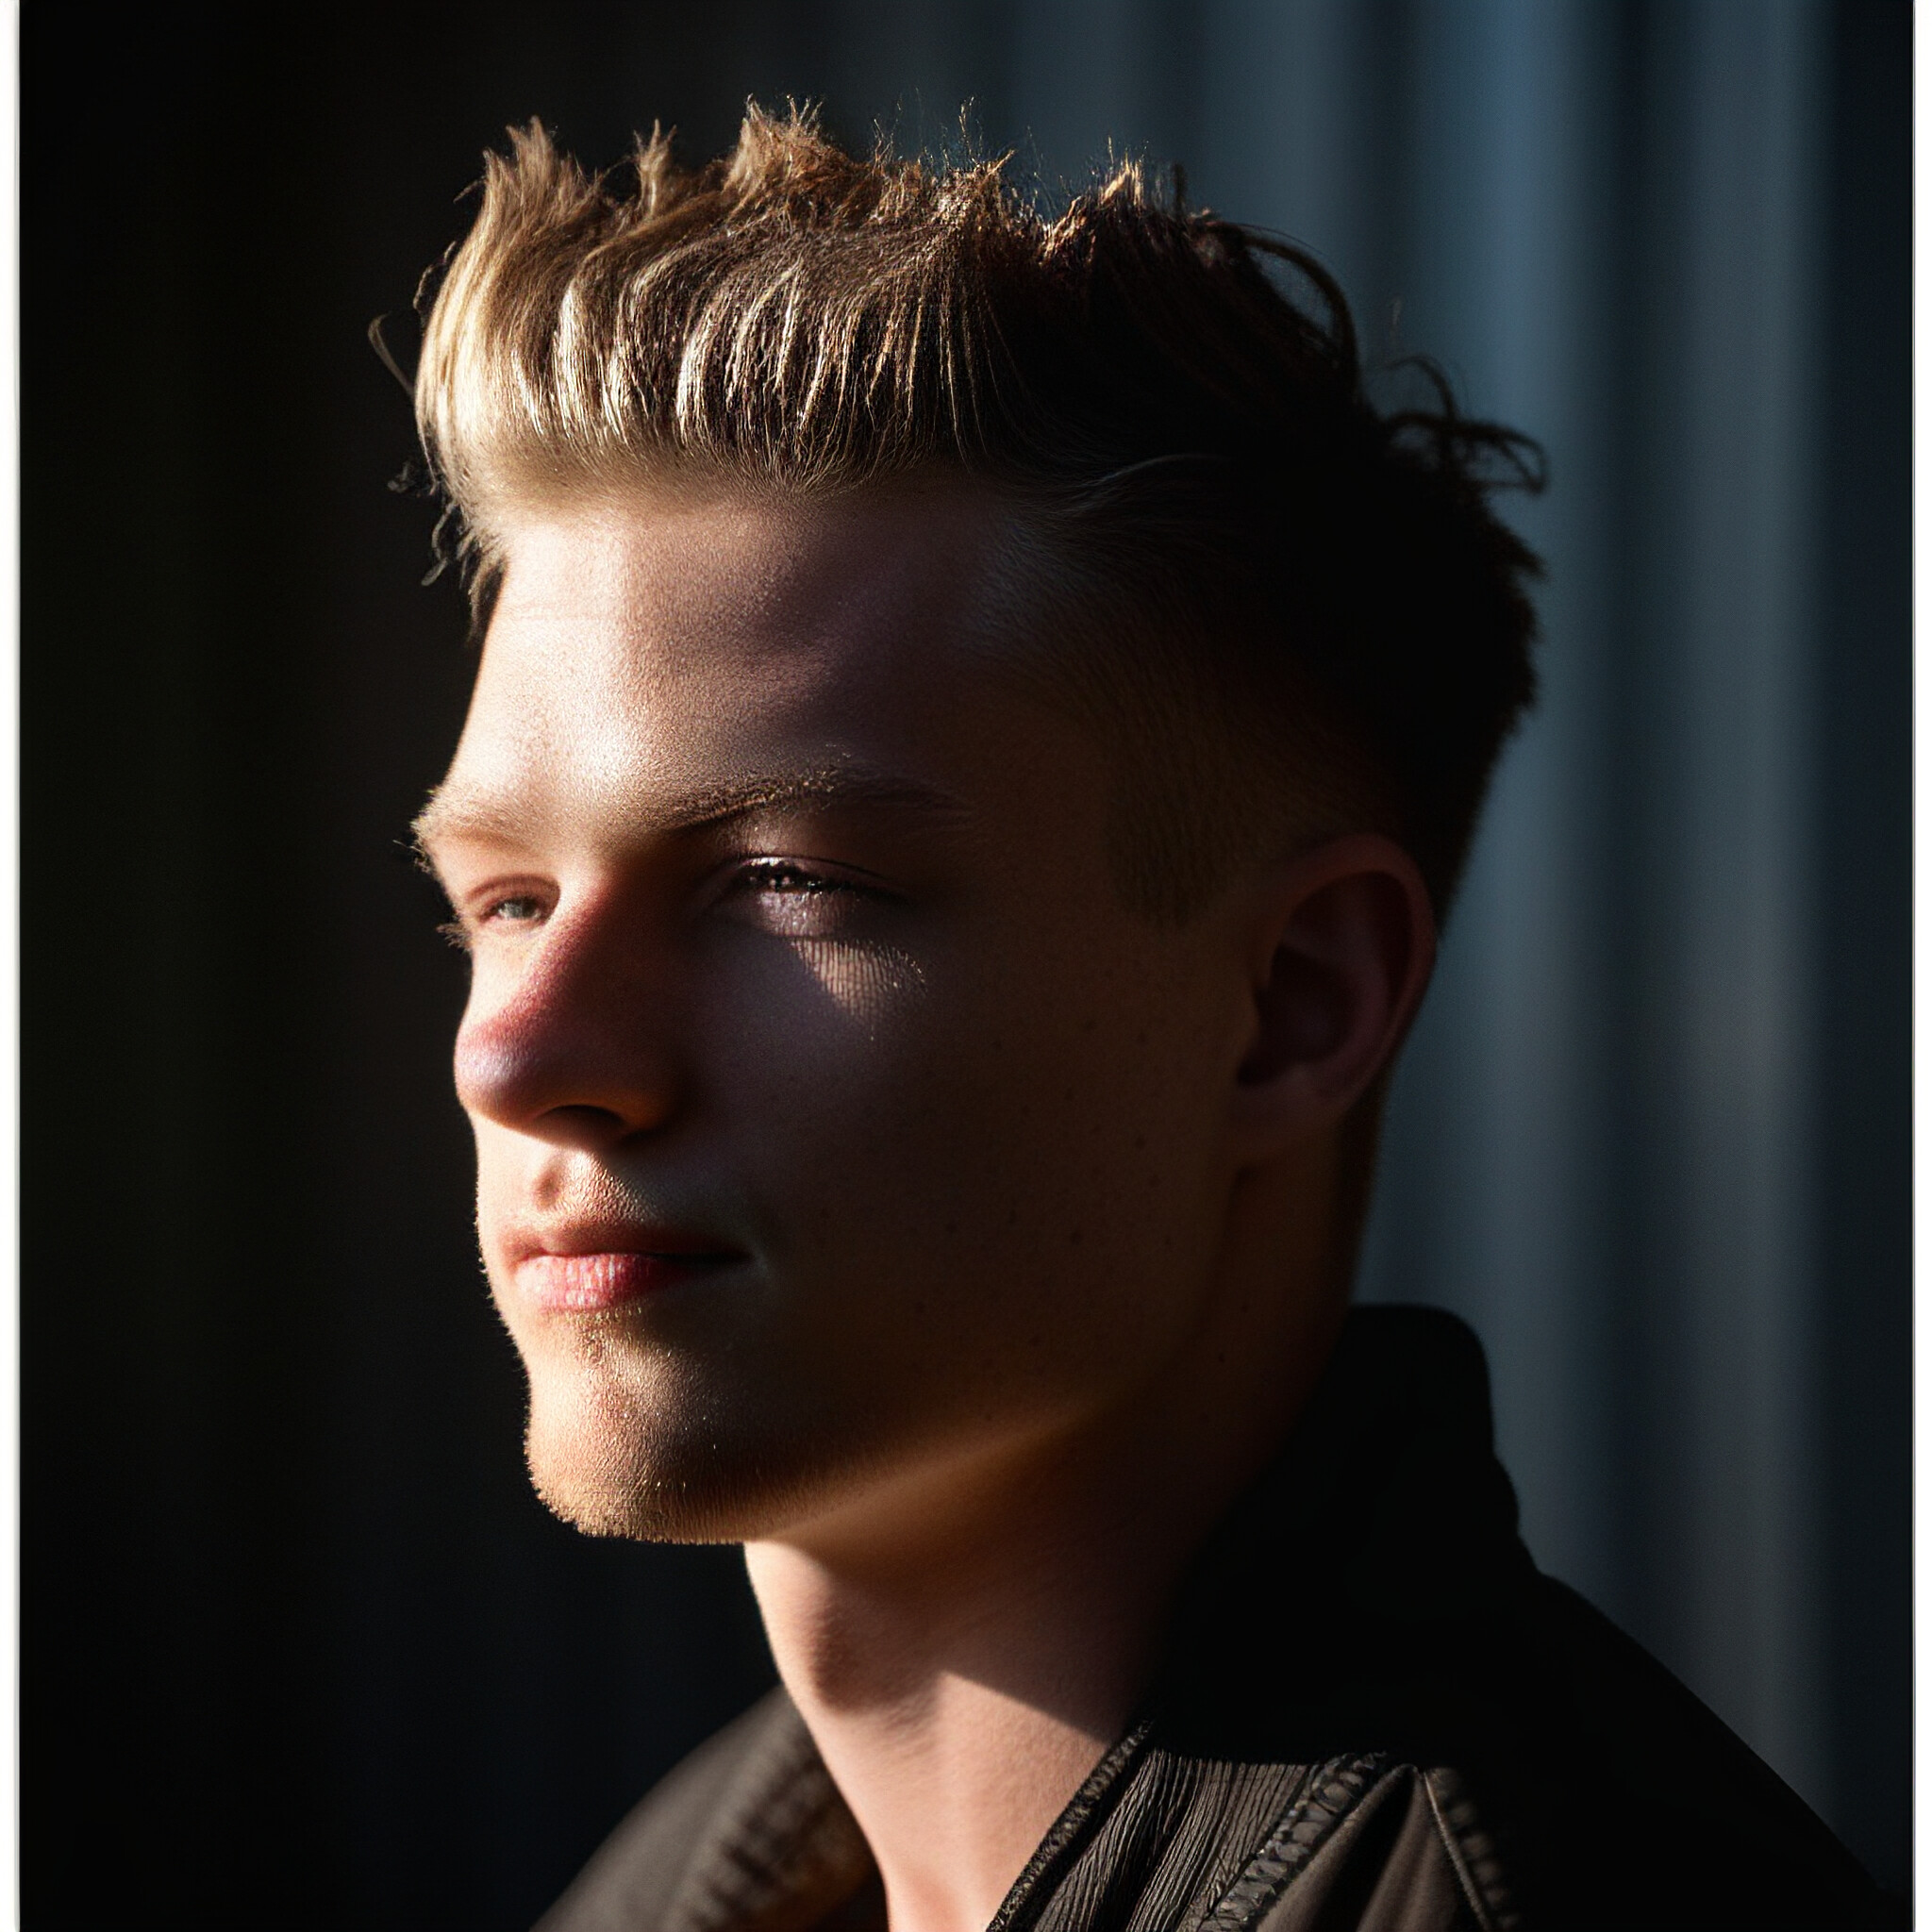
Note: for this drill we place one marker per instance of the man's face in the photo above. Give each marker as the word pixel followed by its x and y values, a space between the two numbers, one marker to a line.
pixel 836 1124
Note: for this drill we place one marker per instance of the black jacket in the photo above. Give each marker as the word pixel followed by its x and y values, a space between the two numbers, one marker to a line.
pixel 1375 1713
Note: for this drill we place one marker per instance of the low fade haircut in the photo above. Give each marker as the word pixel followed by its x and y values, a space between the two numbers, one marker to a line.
pixel 1211 504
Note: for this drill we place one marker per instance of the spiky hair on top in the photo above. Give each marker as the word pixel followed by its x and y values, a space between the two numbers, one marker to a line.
pixel 1178 399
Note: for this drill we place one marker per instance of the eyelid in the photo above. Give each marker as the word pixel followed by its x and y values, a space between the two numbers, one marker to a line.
pixel 823 874
pixel 474 905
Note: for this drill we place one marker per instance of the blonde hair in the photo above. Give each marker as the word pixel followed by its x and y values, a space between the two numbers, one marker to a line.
pixel 1194 443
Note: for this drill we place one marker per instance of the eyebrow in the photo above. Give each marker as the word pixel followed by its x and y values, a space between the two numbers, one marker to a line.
pixel 492 815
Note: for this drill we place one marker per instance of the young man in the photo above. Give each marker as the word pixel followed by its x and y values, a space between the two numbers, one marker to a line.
pixel 978 721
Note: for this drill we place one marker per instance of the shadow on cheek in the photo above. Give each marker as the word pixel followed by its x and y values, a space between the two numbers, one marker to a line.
pixel 865 986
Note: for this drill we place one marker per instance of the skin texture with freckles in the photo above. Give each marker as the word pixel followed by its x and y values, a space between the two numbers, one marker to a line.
pixel 988 1224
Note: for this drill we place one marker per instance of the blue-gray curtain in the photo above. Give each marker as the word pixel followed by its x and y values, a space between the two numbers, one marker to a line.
pixel 1638 1140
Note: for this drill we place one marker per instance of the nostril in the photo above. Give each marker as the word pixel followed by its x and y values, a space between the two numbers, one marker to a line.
pixel 589 1127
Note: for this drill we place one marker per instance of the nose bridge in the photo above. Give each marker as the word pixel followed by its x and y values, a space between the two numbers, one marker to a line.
pixel 575 1041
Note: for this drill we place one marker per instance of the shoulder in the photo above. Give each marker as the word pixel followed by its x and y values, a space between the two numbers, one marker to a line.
pixel 1639 1806
pixel 667 1846
pixel 1372 1594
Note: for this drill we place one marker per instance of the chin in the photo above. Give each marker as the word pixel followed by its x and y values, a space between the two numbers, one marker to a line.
pixel 643 1508
pixel 612 1466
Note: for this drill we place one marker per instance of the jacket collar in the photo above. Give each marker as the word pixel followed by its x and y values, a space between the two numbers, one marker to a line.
pixel 1384 1525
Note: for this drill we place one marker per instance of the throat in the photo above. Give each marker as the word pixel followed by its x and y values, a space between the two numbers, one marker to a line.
pixel 966 1641
pixel 961 1706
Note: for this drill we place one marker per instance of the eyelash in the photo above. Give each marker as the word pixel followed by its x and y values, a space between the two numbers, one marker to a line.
pixel 797 899
pixel 462 933
pixel 787 877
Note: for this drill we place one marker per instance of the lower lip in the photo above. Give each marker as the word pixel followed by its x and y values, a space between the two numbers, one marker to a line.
pixel 594 1284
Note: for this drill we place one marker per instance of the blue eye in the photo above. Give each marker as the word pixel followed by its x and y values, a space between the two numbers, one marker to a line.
pixel 518 910
pixel 512 911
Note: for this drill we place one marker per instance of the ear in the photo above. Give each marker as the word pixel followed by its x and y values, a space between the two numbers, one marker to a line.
pixel 1343 942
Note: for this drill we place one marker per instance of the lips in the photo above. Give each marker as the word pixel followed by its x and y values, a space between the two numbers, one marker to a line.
pixel 590 1272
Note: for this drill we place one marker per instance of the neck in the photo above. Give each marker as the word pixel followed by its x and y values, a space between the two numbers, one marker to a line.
pixel 964 1643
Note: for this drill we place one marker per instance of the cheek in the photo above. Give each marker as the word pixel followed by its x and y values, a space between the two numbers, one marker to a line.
pixel 811 1052
pixel 999 1161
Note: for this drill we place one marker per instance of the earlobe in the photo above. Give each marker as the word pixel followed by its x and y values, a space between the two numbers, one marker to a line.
pixel 1345 948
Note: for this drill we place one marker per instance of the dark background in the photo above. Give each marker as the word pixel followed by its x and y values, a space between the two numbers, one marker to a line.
pixel 298 1648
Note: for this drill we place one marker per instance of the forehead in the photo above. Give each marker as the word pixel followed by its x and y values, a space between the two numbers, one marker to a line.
pixel 669 640
pixel 765 576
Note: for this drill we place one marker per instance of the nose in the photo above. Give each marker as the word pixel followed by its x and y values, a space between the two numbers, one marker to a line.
pixel 570 1042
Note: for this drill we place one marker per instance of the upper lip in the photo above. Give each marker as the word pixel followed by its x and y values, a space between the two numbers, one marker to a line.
pixel 615 1238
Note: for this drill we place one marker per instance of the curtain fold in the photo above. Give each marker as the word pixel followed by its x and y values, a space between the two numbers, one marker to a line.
pixel 1609 221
